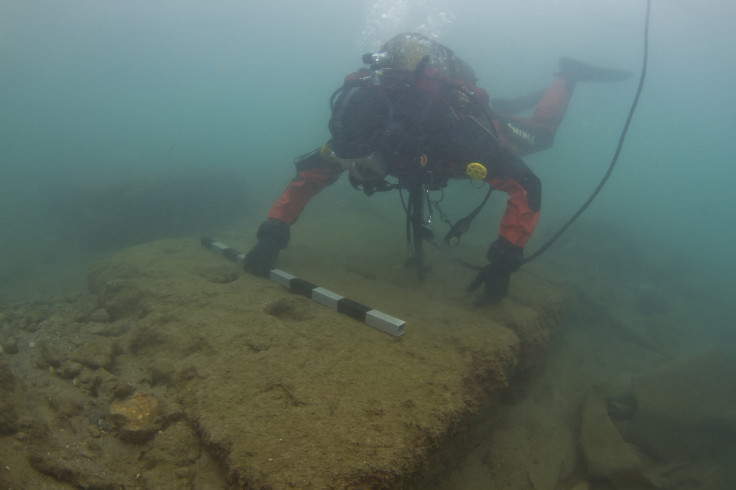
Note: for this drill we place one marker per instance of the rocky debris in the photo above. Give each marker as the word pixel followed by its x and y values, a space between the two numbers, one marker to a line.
pixel 118 297
pixel 101 383
pixel 68 471
pixel 137 417
pixel 56 423
pixel 47 355
pixel 146 339
pixel 285 392
pixel 66 405
pixel 279 390
pixel 32 321
pixel 534 452
pixel 100 316
pixel 115 329
pixel 220 275
pixel 8 413
pixel 684 406
pixel 178 445
pixel 69 369
pixel 674 427
pixel 33 428
pixel 9 346
pixel 98 352
pixel 296 309
pixel 606 455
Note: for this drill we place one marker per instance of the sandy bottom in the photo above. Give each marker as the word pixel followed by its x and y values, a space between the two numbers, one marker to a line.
pixel 176 370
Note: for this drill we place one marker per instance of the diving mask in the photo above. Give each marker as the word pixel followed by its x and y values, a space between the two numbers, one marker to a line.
pixel 370 167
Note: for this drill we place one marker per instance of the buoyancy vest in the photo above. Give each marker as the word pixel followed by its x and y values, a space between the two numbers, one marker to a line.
pixel 413 75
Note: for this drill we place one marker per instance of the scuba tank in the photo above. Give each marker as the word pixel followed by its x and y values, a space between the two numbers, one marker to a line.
pixel 406 51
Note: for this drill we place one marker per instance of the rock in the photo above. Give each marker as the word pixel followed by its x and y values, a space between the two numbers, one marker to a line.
pixel 69 369
pixel 685 406
pixel 7 378
pixel 144 339
pixel 9 346
pixel 47 356
pixel 65 405
pixel 35 428
pixel 177 445
pixel 220 274
pixel 69 472
pixel 85 379
pixel 581 485
pixel 295 309
pixel 117 296
pixel 116 329
pixel 533 448
pixel 8 417
pixel 109 386
pixel 607 456
pixel 8 412
pixel 137 417
pixel 99 423
pixel 98 352
pixel 33 317
pixel 102 383
pixel 265 392
pixel 100 315
pixel 94 431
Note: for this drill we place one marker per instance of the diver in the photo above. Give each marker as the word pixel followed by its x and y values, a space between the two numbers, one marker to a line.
pixel 416 115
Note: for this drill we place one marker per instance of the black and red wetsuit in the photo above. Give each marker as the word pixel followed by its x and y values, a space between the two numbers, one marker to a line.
pixel 447 131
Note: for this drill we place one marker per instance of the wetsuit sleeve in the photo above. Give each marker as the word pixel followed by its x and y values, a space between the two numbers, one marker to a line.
pixel 314 173
pixel 472 142
pixel 519 220
pixel 524 203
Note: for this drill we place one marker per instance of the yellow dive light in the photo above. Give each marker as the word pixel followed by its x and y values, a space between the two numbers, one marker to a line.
pixel 476 171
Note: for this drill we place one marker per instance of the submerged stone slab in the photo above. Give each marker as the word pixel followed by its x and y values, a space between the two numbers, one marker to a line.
pixel 287 392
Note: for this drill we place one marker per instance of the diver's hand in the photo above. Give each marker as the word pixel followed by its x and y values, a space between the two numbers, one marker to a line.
pixel 273 235
pixel 504 258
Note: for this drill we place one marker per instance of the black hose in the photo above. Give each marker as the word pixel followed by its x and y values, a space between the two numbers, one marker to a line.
pixel 621 139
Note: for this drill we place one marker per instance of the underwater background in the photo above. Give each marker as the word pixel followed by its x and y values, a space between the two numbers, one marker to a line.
pixel 161 112
pixel 124 122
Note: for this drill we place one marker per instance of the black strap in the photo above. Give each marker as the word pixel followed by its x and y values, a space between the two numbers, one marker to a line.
pixel 415 231
pixel 452 238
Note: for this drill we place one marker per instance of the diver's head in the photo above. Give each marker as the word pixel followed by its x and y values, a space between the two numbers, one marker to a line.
pixel 363 134
pixel 366 169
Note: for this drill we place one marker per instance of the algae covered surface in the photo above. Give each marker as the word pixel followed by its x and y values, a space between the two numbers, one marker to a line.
pixel 178 370
pixel 180 358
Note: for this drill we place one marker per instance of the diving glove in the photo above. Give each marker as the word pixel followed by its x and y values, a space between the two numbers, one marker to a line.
pixel 272 235
pixel 504 258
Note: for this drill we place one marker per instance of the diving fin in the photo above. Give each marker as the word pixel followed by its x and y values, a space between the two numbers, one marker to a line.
pixel 579 71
